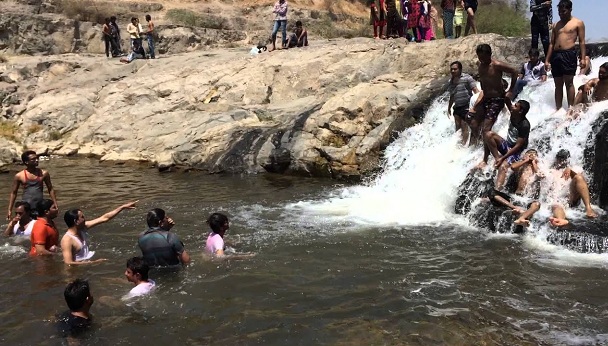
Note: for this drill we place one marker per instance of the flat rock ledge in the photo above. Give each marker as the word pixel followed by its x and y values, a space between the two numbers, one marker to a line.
pixel 325 110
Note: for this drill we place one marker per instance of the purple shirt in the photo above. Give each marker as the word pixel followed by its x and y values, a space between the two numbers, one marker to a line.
pixel 214 242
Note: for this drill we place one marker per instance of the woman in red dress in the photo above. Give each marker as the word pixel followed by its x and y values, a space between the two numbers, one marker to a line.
pixel 414 18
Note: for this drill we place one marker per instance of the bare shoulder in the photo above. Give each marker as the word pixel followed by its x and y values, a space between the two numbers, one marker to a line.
pixel 46 174
pixel 578 21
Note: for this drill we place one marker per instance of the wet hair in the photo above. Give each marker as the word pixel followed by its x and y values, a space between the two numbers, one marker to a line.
pixel 604 66
pixel 534 52
pixel 565 3
pixel 484 48
pixel 217 221
pixel 457 63
pixel 76 294
pixel 154 217
pixel 26 206
pixel 43 206
pixel 298 23
pixel 525 107
pixel 138 266
pixel 70 217
pixel 531 151
pixel 563 154
pixel 25 157
pixel 148 17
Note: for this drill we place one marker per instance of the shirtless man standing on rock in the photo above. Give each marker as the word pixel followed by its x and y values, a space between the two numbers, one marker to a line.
pixel 561 58
pixel 492 90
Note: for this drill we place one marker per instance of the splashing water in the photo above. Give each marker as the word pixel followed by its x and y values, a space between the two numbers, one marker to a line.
pixel 425 165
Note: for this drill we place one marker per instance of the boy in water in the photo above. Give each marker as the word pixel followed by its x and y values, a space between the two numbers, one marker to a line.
pixel 137 273
pixel 561 58
pixel 299 38
pixel 79 299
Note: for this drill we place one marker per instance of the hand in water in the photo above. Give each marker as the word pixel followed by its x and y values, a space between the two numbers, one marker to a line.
pixel 130 205
pixel 518 210
pixel 566 173
pixel 100 260
pixel 522 222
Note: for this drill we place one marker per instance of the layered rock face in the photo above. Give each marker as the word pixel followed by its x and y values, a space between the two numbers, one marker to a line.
pixel 325 110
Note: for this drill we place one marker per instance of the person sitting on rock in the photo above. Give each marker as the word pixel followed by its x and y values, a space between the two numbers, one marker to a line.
pixel 506 152
pixel 299 38
pixel 137 53
pixel 532 72
pixel 595 89
pixel 501 200
pixel 578 189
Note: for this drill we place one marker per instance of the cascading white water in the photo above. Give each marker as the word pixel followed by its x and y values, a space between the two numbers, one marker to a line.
pixel 425 165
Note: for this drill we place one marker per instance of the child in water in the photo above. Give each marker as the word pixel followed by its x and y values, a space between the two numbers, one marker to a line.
pixel 215 245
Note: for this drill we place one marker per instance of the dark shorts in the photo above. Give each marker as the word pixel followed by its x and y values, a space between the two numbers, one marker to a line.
pixel 470 4
pixel 504 147
pixel 461 112
pixel 493 106
pixel 564 63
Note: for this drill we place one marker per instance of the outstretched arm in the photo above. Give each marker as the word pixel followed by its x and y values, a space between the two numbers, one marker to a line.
pixel 109 215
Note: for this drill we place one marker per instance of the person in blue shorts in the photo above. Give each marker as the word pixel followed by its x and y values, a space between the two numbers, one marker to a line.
pixel 508 151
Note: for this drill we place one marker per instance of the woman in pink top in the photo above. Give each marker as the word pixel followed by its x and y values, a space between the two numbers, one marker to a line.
pixel 215 240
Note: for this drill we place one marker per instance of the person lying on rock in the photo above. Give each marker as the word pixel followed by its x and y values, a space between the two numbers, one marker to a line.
pixel 595 89
pixel 506 152
pixel 137 53
pixel 528 174
pixel 299 37
pixel 563 175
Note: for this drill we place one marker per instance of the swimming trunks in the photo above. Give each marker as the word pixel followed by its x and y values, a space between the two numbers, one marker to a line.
pixel 470 4
pixel 504 148
pixel 461 112
pixel 493 106
pixel 564 63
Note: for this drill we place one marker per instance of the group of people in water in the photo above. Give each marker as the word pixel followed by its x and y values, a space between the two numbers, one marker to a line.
pixel 475 117
pixel 34 217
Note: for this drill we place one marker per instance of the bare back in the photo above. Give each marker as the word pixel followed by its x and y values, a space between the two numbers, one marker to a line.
pixel 565 33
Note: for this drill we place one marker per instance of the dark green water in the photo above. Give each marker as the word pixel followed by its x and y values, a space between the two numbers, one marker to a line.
pixel 312 282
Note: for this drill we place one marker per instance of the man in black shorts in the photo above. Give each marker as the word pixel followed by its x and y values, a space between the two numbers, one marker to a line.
pixel 461 87
pixel 470 6
pixel 562 58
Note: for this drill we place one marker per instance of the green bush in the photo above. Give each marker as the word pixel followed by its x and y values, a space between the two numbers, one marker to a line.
pixel 190 18
pixel 85 10
pixel 327 28
pixel 501 18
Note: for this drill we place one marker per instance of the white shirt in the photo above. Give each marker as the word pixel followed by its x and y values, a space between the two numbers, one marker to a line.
pixel 141 289
pixel 27 231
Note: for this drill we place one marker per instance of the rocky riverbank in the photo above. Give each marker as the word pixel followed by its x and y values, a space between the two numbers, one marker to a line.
pixel 325 110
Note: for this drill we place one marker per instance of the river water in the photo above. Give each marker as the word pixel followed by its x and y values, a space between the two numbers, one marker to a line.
pixel 382 263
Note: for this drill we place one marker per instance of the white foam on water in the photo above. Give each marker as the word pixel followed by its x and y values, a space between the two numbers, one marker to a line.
pixel 425 165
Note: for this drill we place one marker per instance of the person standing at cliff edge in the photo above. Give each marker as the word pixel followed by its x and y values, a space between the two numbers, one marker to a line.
pixel 561 58
pixel 150 36
pixel 542 18
pixel 280 20
pixel 32 179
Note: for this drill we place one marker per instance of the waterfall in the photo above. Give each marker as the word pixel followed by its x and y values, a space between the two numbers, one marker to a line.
pixel 423 168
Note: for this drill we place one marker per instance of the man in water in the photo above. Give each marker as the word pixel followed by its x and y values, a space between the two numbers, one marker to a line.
pixel 45 236
pixel 490 76
pixel 137 273
pixel 595 89
pixel 32 179
pixel 461 87
pixel 79 299
pixel 161 248
pixel 506 152
pixel 527 169
pixel 578 190
pixel 22 224
pixel 561 58
pixel 75 242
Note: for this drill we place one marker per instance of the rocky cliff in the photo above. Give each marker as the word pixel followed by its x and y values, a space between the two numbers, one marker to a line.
pixel 325 110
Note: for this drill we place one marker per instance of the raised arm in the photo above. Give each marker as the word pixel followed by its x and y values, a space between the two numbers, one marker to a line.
pixel 11 226
pixel 109 215
pixel 517 165
pixel 13 196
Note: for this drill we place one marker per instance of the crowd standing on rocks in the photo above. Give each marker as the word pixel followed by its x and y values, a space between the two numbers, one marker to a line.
pixel 111 37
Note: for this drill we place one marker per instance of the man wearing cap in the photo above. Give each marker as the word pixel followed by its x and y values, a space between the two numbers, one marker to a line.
pixel 577 185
